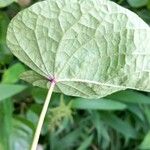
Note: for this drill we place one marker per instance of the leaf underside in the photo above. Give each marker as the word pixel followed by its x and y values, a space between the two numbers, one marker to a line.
pixel 91 47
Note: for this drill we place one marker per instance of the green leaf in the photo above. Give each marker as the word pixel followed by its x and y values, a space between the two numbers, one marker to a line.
pixel 119 125
pixel 4 21
pixel 39 94
pixel 144 14
pixel 4 3
pixel 145 145
pixel 5 54
pixel 101 128
pixel 68 140
pixel 33 116
pixel 16 133
pixel 137 111
pixel 146 111
pixel 6 109
pixel 22 134
pixel 137 3
pixel 84 145
pixel 130 97
pixel 90 48
pixel 97 104
pixel 8 90
pixel 12 74
pixel 33 113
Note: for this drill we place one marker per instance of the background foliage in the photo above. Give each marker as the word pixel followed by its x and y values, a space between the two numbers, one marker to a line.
pixel 117 122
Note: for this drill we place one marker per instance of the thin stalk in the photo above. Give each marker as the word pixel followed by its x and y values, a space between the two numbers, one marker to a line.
pixel 42 116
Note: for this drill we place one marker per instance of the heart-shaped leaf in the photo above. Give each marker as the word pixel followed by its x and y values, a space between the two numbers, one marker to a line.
pixel 91 48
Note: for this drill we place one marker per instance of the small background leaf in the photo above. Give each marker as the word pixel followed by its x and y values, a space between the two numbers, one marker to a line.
pixel 116 123
pixel 22 134
pixel 4 3
pixel 97 104
pixel 86 143
pixel 130 97
pixel 137 3
pixel 8 90
pixel 12 75
pixel 145 145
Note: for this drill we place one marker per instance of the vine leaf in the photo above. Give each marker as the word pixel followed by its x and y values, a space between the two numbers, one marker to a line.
pixel 91 48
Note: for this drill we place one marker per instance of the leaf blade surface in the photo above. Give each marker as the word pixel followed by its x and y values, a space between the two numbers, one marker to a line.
pixel 92 48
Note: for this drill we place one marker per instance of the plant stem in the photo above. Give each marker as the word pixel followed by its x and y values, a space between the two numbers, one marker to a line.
pixel 42 116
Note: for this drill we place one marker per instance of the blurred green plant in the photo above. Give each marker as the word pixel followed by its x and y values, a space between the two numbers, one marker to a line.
pixel 137 3
pixel 59 113
pixel 4 3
